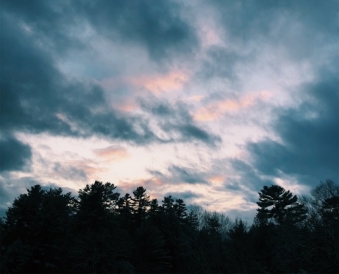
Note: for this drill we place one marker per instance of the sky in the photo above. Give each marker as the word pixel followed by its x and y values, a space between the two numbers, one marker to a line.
pixel 207 101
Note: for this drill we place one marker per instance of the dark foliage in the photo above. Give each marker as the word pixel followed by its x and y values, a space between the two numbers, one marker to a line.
pixel 47 231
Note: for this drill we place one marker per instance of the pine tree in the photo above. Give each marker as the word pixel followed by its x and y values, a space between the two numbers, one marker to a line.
pixel 96 203
pixel 180 209
pixel 279 205
pixel 140 204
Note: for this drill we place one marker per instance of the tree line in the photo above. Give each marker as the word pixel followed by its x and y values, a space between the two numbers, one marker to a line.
pixel 101 231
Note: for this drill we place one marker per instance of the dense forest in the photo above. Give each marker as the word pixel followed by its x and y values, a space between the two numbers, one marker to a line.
pixel 101 231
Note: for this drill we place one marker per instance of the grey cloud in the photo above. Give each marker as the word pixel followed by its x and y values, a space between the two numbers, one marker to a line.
pixel 309 133
pixel 179 175
pixel 157 25
pixel 50 22
pixel 14 155
pixel 221 63
pixel 320 16
pixel 233 186
pixel 176 119
pixel 36 97
pixel 187 175
pixel 299 27
pixel 185 195
pixel 249 177
pixel 69 173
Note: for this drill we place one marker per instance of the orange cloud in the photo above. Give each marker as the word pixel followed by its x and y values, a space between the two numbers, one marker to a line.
pixel 127 106
pixel 156 84
pixel 196 98
pixel 216 109
pixel 217 179
pixel 112 153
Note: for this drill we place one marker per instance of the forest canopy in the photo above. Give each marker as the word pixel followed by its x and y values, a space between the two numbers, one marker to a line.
pixel 102 231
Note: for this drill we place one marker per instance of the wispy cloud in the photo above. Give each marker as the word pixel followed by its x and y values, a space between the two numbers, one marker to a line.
pixel 215 110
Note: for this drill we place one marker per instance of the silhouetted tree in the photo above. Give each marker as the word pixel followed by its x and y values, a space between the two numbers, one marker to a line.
pixel 150 254
pixel 98 243
pixel 47 231
pixel 323 224
pixel 140 204
pixel 240 249
pixel 96 202
pixel 36 229
pixel 275 203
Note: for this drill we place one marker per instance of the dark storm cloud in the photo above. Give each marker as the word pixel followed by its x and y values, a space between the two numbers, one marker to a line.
pixel 14 155
pixel 156 25
pixel 176 119
pixel 179 175
pixel 248 20
pixel 309 134
pixel 49 21
pixel 36 97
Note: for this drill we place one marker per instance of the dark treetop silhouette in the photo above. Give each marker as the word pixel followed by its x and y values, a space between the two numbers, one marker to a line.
pixel 48 231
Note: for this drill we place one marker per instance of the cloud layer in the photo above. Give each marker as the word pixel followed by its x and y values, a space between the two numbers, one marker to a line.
pixel 208 100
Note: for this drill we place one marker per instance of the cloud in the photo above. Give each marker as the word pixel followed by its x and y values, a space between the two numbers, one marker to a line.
pixel 216 109
pixel 172 81
pixel 50 23
pixel 250 22
pixel 157 26
pixel 113 153
pixel 41 99
pixel 177 124
pixel 69 173
pixel 246 177
pixel 15 155
pixel 184 195
pixel 180 175
pixel 309 134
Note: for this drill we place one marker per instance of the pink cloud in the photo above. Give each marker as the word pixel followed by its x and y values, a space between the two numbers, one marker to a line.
pixel 112 153
pixel 217 179
pixel 161 83
pixel 215 110
pixel 196 98
pixel 155 83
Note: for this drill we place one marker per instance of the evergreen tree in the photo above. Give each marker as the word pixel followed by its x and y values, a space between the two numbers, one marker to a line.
pixel 96 204
pixel 275 203
pixel 180 209
pixel 323 224
pixel 150 254
pixel 36 229
pixel 140 204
